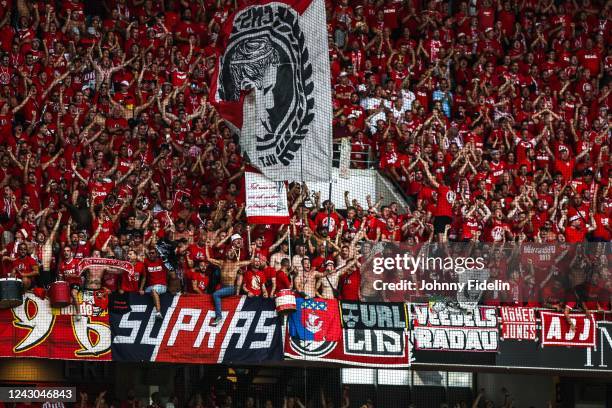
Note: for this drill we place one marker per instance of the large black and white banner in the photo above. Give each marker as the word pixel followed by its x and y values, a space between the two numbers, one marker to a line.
pixel 444 330
pixel 272 86
pixel 374 316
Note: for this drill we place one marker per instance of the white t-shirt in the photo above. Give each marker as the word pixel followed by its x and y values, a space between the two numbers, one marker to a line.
pixel 408 97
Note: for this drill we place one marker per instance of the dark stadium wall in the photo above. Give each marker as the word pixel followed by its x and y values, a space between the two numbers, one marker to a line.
pixel 526 390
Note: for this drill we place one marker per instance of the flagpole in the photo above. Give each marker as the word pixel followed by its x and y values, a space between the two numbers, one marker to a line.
pixel 306 243
pixel 249 236
pixel 329 198
pixel 289 244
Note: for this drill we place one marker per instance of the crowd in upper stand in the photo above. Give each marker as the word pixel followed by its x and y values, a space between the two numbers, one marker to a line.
pixel 491 116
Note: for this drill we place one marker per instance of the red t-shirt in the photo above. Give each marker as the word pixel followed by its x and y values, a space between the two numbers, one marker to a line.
pixel 68 272
pixel 106 230
pixel 23 265
pixel 390 12
pixel 602 221
pixel 590 59
pixel 350 285
pixel 100 189
pixel 322 218
pixel 254 281
pixel 154 272
pixel 575 234
pixel 282 281
pixel 202 281
pixel 270 273
pixel 81 250
pixel 197 253
pixel 446 198
pixel 130 281
pixel 565 167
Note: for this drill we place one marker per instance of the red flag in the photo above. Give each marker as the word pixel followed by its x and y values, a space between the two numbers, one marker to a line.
pixel 557 331
pixel 317 320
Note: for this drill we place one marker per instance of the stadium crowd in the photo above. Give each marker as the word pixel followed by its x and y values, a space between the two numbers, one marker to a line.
pixel 491 116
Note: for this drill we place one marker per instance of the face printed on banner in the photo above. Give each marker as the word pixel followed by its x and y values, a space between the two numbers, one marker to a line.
pixel 278 97
pixel 266 64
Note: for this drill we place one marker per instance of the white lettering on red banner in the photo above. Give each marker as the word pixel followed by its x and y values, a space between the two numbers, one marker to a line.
pixel 518 323
pixel 577 330
pixel 33 330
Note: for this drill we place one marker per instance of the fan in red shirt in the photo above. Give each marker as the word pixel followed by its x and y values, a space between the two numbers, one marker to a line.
pixel 24 267
pixel 350 284
pixel 155 279
pixel 197 250
pixel 130 280
pixel 68 271
pixel 603 228
pixel 389 231
pixel 99 187
pixel 327 219
pixel 270 273
pixel 197 279
pixel 444 201
pixel 576 231
pixel 254 282
pixel 259 249
pixel 283 276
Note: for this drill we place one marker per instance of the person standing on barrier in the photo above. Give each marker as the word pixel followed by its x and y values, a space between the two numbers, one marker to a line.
pixel 231 278
pixel 155 278
pixel 445 199
pixel 46 252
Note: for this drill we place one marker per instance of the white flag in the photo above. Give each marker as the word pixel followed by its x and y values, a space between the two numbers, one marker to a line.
pixel 272 86
pixel 266 200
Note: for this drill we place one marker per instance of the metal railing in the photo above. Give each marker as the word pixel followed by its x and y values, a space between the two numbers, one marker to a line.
pixel 358 159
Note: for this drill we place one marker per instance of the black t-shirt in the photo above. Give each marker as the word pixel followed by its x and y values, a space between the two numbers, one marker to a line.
pixel 125 230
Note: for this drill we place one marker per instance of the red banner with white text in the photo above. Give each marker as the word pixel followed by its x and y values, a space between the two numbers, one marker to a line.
pixel 518 323
pixel 577 330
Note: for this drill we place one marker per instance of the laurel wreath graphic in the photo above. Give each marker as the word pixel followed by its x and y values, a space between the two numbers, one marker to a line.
pixel 249 52
pixel 291 141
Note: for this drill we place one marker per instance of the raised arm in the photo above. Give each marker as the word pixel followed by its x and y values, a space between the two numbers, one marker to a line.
pixel 212 260
pixel 280 240
pixel 430 177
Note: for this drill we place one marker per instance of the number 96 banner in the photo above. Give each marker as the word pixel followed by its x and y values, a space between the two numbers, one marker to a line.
pixel 35 329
